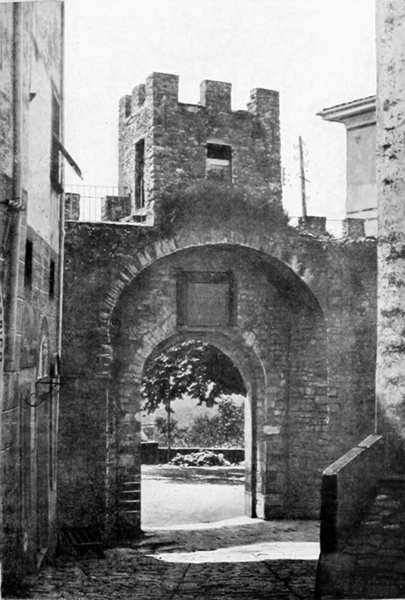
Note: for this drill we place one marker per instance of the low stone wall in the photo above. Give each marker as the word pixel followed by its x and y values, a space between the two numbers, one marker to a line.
pixel 152 454
pixel 348 487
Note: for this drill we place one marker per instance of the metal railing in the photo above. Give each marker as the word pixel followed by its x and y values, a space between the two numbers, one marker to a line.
pixel 92 199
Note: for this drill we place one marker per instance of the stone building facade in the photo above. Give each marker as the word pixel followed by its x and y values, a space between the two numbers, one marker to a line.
pixel 31 105
pixel 294 309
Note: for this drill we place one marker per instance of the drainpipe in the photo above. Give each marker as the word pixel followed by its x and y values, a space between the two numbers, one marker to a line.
pixel 16 202
pixel 60 269
pixel 62 196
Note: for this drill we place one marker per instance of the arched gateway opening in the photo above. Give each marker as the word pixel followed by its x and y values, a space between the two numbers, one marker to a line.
pixel 194 436
pixel 266 321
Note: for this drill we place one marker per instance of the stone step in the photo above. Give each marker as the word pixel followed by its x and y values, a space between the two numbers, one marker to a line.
pixel 135 513
pixel 130 503
pixel 130 498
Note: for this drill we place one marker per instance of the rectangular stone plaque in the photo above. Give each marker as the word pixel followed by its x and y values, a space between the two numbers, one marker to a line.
pixel 205 299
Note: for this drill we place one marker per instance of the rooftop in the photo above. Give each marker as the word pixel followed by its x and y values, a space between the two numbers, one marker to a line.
pixel 340 112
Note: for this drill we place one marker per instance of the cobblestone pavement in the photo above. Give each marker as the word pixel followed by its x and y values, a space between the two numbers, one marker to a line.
pixel 153 568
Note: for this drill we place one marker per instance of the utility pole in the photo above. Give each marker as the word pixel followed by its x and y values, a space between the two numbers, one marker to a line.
pixel 302 177
pixel 169 427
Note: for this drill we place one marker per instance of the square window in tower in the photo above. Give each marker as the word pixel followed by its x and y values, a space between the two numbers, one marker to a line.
pixel 218 162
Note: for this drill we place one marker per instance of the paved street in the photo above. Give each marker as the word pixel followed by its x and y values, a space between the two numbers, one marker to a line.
pixel 237 559
pixel 191 494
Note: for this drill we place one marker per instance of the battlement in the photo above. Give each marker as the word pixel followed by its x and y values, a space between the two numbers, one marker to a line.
pixel 262 101
pixel 215 96
pixel 162 140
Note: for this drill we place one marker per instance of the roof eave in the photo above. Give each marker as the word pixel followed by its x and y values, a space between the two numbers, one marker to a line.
pixel 342 112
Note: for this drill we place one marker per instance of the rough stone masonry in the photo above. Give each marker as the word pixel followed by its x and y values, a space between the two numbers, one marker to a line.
pixel 294 309
pixel 391 214
pixel 172 141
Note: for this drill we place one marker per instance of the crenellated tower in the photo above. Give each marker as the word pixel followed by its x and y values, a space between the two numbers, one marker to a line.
pixel 163 141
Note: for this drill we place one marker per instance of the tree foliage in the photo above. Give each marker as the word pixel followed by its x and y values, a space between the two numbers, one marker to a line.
pixel 223 429
pixel 191 367
pixel 178 435
pixel 226 428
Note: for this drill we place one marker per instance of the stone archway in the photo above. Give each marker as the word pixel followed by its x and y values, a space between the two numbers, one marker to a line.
pixel 252 374
pixel 292 265
pixel 290 314
pixel 125 475
pixel 276 324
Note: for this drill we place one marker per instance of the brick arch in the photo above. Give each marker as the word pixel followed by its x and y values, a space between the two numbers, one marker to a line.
pixel 274 250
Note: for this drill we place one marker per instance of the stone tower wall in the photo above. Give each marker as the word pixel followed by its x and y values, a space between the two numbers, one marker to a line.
pixel 176 135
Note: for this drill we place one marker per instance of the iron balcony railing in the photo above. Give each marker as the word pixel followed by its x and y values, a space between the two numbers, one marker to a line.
pixel 92 199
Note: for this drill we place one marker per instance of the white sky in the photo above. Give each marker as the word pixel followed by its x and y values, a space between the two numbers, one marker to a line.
pixel 317 53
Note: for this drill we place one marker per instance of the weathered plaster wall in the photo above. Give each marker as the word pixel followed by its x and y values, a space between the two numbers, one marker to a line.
pixel 43 57
pixel 391 208
pixel 6 139
pixel 361 186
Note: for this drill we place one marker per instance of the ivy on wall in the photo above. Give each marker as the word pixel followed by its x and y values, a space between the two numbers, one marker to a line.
pixel 209 202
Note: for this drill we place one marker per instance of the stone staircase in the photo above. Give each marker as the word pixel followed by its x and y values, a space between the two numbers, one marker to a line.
pixel 130 497
pixel 371 561
pixel 129 506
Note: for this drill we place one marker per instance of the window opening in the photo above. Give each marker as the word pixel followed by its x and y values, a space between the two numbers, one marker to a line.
pixel 28 264
pixel 52 279
pixel 219 161
pixel 43 362
pixel 55 158
pixel 139 174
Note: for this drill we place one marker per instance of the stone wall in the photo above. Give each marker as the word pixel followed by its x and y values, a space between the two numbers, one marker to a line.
pixel 6 85
pixel 176 134
pixel 391 215
pixel 348 487
pixel 29 422
pixel 304 342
